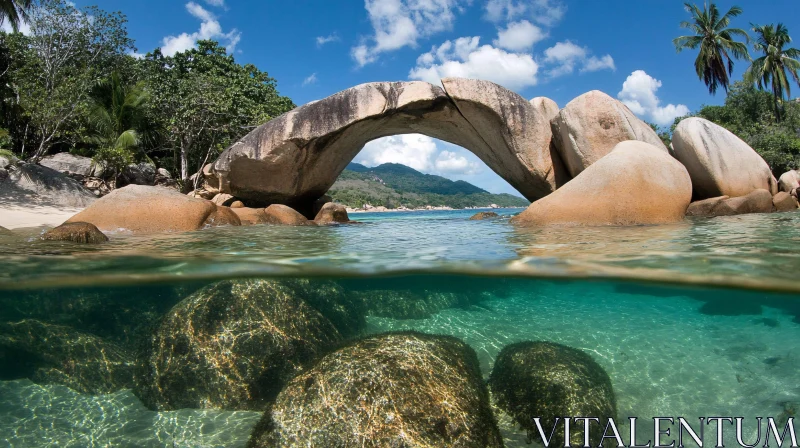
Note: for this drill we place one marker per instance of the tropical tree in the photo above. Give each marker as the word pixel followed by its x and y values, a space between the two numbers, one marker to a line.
pixel 117 115
pixel 14 11
pixel 778 63
pixel 718 49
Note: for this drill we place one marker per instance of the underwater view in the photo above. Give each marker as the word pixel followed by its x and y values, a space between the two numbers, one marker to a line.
pixel 280 334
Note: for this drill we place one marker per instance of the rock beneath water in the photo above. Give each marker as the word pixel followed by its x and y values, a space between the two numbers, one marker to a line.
pixel 139 208
pixel 285 215
pixel 398 389
pixel 789 181
pixel 403 304
pixel 331 213
pixel 251 216
pixel 295 158
pixel 719 162
pixel 232 345
pixel 77 232
pixel 69 163
pixel 46 185
pixel 591 125
pixel 223 216
pixel 483 215
pixel 759 201
pixel 637 183
pixel 549 380
pixel 784 202
pixel 5 232
pixel 143 173
pixel 53 354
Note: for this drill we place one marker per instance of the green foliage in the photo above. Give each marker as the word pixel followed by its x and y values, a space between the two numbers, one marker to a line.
pixel 392 185
pixel 663 134
pixel 777 62
pixel 714 63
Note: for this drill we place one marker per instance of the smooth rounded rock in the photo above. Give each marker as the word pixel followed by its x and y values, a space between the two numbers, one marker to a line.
pixel 251 216
pixel 284 215
pixel 719 162
pixel 784 202
pixel 223 216
pixel 637 183
pixel 549 380
pixel 392 390
pixel 759 201
pixel 145 209
pixel 480 216
pixel 332 213
pixel 70 163
pixel 789 181
pixel 232 345
pixel 77 232
pixel 591 125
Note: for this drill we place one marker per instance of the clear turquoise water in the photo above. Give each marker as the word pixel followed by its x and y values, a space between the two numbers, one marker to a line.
pixel 699 318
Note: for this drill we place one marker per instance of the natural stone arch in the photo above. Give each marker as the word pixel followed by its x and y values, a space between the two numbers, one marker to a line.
pixel 295 158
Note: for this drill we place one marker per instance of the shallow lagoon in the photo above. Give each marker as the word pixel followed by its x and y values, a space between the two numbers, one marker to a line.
pixel 630 297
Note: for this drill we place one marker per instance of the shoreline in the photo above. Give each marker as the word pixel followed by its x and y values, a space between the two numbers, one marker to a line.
pixel 434 209
pixel 18 217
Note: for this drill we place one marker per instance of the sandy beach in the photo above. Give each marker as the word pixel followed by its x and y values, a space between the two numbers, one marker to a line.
pixel 15 217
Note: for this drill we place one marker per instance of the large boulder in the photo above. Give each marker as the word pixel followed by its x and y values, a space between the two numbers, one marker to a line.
pixel 142 173
pixel 391 390
pixel 251 216
pixel 637 183
pixel 549 381
pixel 784 202
pixel 72 164
pixel 719 162
pixel 789 181
pixel 55 354
pixel 759 201
pixel 332 213
pixel 232 345
pixel 139 208
pixel 76 232
pixel 284 215
pixel 549 110
pixel 44 185
pixel 591 125
pixel 295 158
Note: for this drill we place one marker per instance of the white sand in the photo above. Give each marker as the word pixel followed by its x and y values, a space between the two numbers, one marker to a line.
pixel 20 216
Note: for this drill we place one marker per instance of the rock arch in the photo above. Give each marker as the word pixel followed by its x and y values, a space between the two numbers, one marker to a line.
pixel 295 158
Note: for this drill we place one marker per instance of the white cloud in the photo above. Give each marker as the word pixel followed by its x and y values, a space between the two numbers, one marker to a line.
pixel 639 94
pixel 399 23
pixel 310 80
pixel 420 152
pixel 519 36
pixel 448 162
pixel 24 27
pixel 564 57
pixel 136 55
pixel 545 12
pixel 465 58
pixel 217 3
pixel 210 28
pixel 322 40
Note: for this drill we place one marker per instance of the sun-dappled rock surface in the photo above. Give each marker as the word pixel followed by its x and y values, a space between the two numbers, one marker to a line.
pixel 232 345
pixel 399 389
pixel 591 125
pixel 637 183
pixel 719 162
pixel 76 232
pixel 321 138
pixel 549 380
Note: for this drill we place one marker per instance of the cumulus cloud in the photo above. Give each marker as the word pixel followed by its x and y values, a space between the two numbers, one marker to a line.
pixel 564 57
pixel 210 28
pixel 399 23
pixel 466 58
pixel 419 152
pixel 519 36
pixel 24 27
pixel 639 94
pixel 310 80
pixel 322 40
pixel 545 12
pixel 217 3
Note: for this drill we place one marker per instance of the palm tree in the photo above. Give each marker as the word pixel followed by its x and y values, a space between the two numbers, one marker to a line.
pixel 714 64
pixel 772 68
pixel 15 11
pixel 116 115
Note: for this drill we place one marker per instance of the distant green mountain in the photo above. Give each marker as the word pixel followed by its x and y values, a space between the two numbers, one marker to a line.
pixel 393 185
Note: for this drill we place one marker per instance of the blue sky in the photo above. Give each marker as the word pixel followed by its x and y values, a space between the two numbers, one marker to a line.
pixel 554 48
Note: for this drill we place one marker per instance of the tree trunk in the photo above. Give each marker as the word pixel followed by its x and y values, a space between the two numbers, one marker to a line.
pixel 184 164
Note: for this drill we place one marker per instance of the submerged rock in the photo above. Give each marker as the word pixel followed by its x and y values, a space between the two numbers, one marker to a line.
pixel 285 215
pixel 719 162
pixel 759 201
pixel 784 202
pixel 332 213
pixel 232 345
pixel 5 232
pixel 404 304
pixel 637 183
pixel 483 215
pixel 77 232
pixel 549 380
pixel 591 125
pixel 391 390
pixel 54 354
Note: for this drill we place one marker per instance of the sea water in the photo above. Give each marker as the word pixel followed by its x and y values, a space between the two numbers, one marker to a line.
pixel 699 318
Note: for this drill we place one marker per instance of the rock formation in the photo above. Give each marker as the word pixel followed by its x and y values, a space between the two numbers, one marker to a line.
pixel 232 345
pixel 331 213
pixel 784 202
pixel 44 185
pixel 295 158
pixel 391 390
pixel 591 125
pixel 285 215
pixel 77 232
pixel 789 181
pixel 70 163
pixel 251 216
pixel 480 216
pixel 759 201
pixel 719 162
pixel 548 380
pixel 637 183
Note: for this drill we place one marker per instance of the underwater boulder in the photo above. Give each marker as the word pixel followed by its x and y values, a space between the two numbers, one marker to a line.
pixel 549 380
pixel 55 354
pixel 405 304
pixel 483 215
pixel 5 232
pixel 331 213
pixel 77 232
pixel 391 390
pixel 231 345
